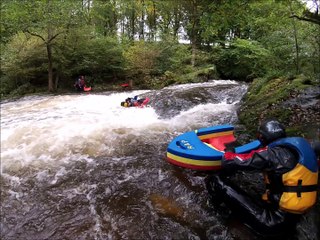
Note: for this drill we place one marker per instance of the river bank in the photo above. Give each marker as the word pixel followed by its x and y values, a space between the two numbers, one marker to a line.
pixel 295 102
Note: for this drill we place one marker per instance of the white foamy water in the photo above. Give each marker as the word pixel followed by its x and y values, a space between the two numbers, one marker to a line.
pixel 211 83
pixel 56 129
pixel 59 127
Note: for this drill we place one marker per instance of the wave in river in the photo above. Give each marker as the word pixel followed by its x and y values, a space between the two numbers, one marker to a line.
pixel 56 129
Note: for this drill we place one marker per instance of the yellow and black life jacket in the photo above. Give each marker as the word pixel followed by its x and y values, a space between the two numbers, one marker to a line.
pixel 125 104
pixel 300 185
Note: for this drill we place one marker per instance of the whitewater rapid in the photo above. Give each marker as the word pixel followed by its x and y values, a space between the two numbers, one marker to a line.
pixel 53 129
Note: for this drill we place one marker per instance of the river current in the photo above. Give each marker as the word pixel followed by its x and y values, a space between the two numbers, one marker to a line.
pixel 80 166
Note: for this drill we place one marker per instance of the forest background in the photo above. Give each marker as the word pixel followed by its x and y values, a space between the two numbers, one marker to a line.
pixel 47 44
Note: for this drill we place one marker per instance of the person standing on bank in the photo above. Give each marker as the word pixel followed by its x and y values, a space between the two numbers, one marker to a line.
pixel 80 83
pixel 290 169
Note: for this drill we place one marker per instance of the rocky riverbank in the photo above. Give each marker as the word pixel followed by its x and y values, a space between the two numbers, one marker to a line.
pixel 295 102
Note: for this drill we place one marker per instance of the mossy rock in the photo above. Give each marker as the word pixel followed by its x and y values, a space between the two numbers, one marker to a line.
pixel 265 99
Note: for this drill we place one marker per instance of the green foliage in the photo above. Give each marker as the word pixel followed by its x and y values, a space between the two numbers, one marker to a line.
pixel 173 57
pixel 226 20
pixel 45 20
pixel 23 89
pixel 104 15
pixel 140 61
pixel 243 60
pixel 23 59
pixel 141 58
pixel 160 64
pixel 7 85
pixel 98 57
pixel 157 63
pixel 292 43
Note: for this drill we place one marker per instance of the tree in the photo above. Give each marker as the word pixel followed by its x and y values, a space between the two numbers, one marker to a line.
pixel 105 16
pixel 310 14
pixel 141 59
pixel 46 20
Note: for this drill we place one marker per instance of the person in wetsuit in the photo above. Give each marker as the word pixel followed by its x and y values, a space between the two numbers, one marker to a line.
pixel 80 83
pixel 133 102
pixel 290 171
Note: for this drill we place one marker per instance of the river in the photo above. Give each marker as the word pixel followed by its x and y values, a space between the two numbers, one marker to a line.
pixel 80 166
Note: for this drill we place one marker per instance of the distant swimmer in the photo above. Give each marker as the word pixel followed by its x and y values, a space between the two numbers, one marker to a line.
pixel 135 102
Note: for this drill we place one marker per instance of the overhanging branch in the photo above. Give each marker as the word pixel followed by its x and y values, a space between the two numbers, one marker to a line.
pixel 312 20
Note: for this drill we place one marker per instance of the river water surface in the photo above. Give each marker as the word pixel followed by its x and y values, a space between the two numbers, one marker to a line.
pixel 80 166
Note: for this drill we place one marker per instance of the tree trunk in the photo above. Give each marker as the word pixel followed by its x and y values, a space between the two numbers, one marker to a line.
pixel 154 31
pixel 49 52
pixel 130 83
pixel 296 47
pixel 141 30
pixel 194 19
pixel 176 22
pixel 318 73
pixel 296 43
pixel 50 69
pixel 56 82
pixel 194 53
pixel 132 22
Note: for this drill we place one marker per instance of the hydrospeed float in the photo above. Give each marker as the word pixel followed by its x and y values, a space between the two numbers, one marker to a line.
pixel 204 148
pixel 86 89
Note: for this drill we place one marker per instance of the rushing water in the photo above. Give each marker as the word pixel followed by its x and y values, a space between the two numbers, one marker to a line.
pixel 83 167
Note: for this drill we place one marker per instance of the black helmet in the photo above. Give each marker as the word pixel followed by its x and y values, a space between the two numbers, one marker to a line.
pixel 270 131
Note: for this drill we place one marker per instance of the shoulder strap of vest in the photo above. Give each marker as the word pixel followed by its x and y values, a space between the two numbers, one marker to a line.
pixel 307 156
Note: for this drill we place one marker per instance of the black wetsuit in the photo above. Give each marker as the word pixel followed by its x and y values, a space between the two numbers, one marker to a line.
pixel 264 217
